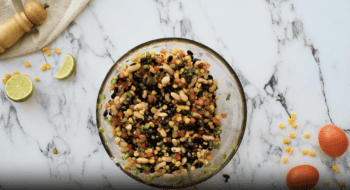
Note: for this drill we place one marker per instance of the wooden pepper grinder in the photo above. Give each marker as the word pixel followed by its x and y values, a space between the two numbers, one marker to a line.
pixel 14 28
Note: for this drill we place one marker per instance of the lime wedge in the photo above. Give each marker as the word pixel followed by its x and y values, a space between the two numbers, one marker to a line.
pixel 19 88
pixel 67 68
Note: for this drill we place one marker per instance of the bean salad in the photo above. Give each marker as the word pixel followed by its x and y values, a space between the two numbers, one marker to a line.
pixel 162 113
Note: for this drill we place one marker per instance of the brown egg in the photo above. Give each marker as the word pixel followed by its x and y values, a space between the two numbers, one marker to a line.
pixel 302 177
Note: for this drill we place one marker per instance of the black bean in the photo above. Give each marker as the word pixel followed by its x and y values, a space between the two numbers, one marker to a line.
pixel 226 177
pixel 170 58
pixel 110 113
pixel 191 57
pixel 195 60
pixel 132 64
pixel 210 77
pixel 160 153
pixel 189 52
pixel 105 113
pixel 152 170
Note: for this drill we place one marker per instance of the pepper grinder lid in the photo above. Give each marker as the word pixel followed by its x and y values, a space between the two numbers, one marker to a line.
pixel 35 12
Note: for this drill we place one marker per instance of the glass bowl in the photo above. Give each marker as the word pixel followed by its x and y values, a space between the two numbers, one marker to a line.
pixel 233 126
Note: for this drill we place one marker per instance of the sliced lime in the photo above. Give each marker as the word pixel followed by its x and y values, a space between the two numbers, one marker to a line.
pixel 67 68
pixel 19 88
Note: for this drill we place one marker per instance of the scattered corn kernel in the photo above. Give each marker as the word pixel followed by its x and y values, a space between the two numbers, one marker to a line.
pixel 4 80
pixel 216 97
pixel 217 117
pixel 290 121
pixel 341 183
pixel 292 135
pixel 285 160
pixel 335 169
pixel 48 52
pixel 37 79
pixel 178 109
pixel 175 86
pixel 293 116
pixel 127 165
pixel 164 140
pixel 45 49
pixel 196 72
pixel 287 149
pixel 307 135
pixel 8 76
pixel 57 50
pixel 43 68
pixel 294 125
pixel 326 182
pixel 154 110
pixel 27 64
pixel 16 73
pixel 282 126
pixel 119 133
pixel 117 129
pixel 291 151
pixel 160 85
pixel 176 128
pixel 312 153
pixel 179 119
pixel 196 89
pixel 167 167
pixel 286 141
pixel 304 151
pixel 130 120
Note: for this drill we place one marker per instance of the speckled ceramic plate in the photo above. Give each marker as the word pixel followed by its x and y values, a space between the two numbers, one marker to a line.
pixel 233 126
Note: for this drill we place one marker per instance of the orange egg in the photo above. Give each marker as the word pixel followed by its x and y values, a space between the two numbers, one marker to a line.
pixel 302 177
pixel 333 140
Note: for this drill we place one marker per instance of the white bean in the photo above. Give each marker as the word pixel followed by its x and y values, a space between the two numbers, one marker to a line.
pixel 193 81
pixel 207 138
pixel 136 154
pixel 184 160
pixel 200 62
pixel 123 98
pixel 175 134
pixel 123 144
pixel 160 165
pixel 167 97
pixel 167 158
pixel 176 149
pixel 196 115
pixel 141 105
pixel 168 69
pixel 121 149
pixel 210 82
pixel 162 133
pixel 162 114
pixel 144 95
pixel 168 176
pixel 128 127
pixel 142 160
pixel 133 68
pixel 116 100
pixel 183 96
pixel 212 88
pixel 117 140
pixel 159 172
pixel 183 139
pixel 192 168
pixel 174 142
pixel 137 114
pixel 175 96
pixel 114 110
pixel 165 80
pixel 202 80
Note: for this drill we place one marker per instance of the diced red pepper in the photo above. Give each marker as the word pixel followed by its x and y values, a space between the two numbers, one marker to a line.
pixel 163 51
pixel 168 139
pixel 173 61
pixel 125 85
pixel 192 97
pixel 124 135
pixel 133 162
pixel 216 121
pixel 199 135
pixel 194 109
pixel 178 157
pixel 193 120
pixel 142 137
pixel 159 60
pixel 141 70
pixel 136 134
pixel 223 115
pixel 206 67
pixel 130 145
pixel 121 75
pixel 209 157
pixel 177 80
pixel 208 153
pixel 107 106
pixel 201 132
pixel 175 101
pixel 182 133
pixel 143 145
pixel 151 99
pixel 131 151
pixel 120 114
pixel 114 118
pixel 156 68
pixel 149 155
pixel 138 125
pixel 181 54
pixel 206 102
pixel 145 171
pixel 127 168
pixel 200 101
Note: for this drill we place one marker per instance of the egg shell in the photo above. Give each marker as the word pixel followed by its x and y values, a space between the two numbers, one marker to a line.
pixel 302 177
pixel 333 140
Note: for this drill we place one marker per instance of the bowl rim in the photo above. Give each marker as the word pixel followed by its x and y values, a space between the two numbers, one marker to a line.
pixel 240 88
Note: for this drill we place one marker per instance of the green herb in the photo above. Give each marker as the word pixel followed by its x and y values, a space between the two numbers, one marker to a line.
pixel 218 146
pixel 124 120
pixel 205 172
pixel 215 168
pixel 102 97
pixel 143 53
pixel 135 169
pixel 234 147
pixel 109 122
pixel 115 136
pixel 145 167
pixel 126 156
pixel 224 156
pixel 205 154
pixel 105 118
pixel 125 102
pixel 153 80
pixel 55 151
pixel 123 130
pixel 99 106
pixel 148 54
pixel 163 147
pixel 206 164
pixel 129 94
pixel 142 130
pixel 218 132
pixel 142 149
pixel 133 59
pixel 156 57
pixel 173 66
pixel 148 178
pixel 115 78
pixel 199 107
pixel 228 96
pixel 146 67
pixel 113 82
pixel 146 126
pixel 188 166
pixel 101 129
pixel 211 145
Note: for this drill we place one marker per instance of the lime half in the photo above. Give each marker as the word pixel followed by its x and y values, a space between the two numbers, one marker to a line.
pixel 19 88
pixel 67 68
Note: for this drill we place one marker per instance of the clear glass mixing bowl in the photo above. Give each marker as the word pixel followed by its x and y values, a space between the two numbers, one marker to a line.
pixel 233 126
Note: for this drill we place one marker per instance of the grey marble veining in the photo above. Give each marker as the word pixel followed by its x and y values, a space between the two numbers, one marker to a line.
pixel 291 57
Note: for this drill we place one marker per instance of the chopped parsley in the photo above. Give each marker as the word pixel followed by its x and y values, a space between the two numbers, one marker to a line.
pixel 224 156
pixel 101 129
pixel 102 97
pixel 228 96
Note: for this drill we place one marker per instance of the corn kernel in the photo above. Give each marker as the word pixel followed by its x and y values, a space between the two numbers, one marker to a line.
pixel 127 165
pixel 286 141
pixel 129 111
pixel 182 70
pixel 154 110
pixel 165 107
pixel 152 161
pixel 188 103
pixel 304 151
pixel 159 159
pixel 138 100
pixel 312 153
pixel 217 117
pixel 196 89
pixel 8 76
pixel 150 150
pixel 335 169
pixel 4 80
pixel 164 140
pixel 175 51
pixel 292 135
pixel 196 72
pixel 178 163
pixel 127 74
pixel 326 182
pixel 212 108
pixel 171 123
pixel 294 125
pixel 291 151
pixel 160 85
pixel 199 154
pixel 43 68
pixel 154 92
pixel 117 129
pixel 175 86
pixel 183 80
pixel 45 49
pixel 16 73
pixel 287 149
pixel 282 126
pixel 173 161
pixel 176 75
pixel 141 112
pixel 167 167
pixel 202 71
pixel 133 88
pixel 201 160
pixel 119 133
pixel 151 124
pixel 27 64
pixel 187 134
pixel 285 160
pixel 290 121
pixel 57 50
pixel 158 148
pixel 341 183
pixel 155 152
pixel 178 109
pixel 187 121
pixel 179 119
pixel 48 52
pixel 307 135
pixel 132 92
pixel 293 116
pixel 196 135
pixel 130 120
pixel 37 79
pixel 200 85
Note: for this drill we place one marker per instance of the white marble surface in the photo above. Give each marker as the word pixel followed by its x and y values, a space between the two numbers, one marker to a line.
pixel 292 57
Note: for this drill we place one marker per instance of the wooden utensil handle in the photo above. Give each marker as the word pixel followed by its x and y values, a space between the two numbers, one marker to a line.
pixel 14 28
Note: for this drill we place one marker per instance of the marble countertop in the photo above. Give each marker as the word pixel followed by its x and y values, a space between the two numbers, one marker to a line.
pixel 291 57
